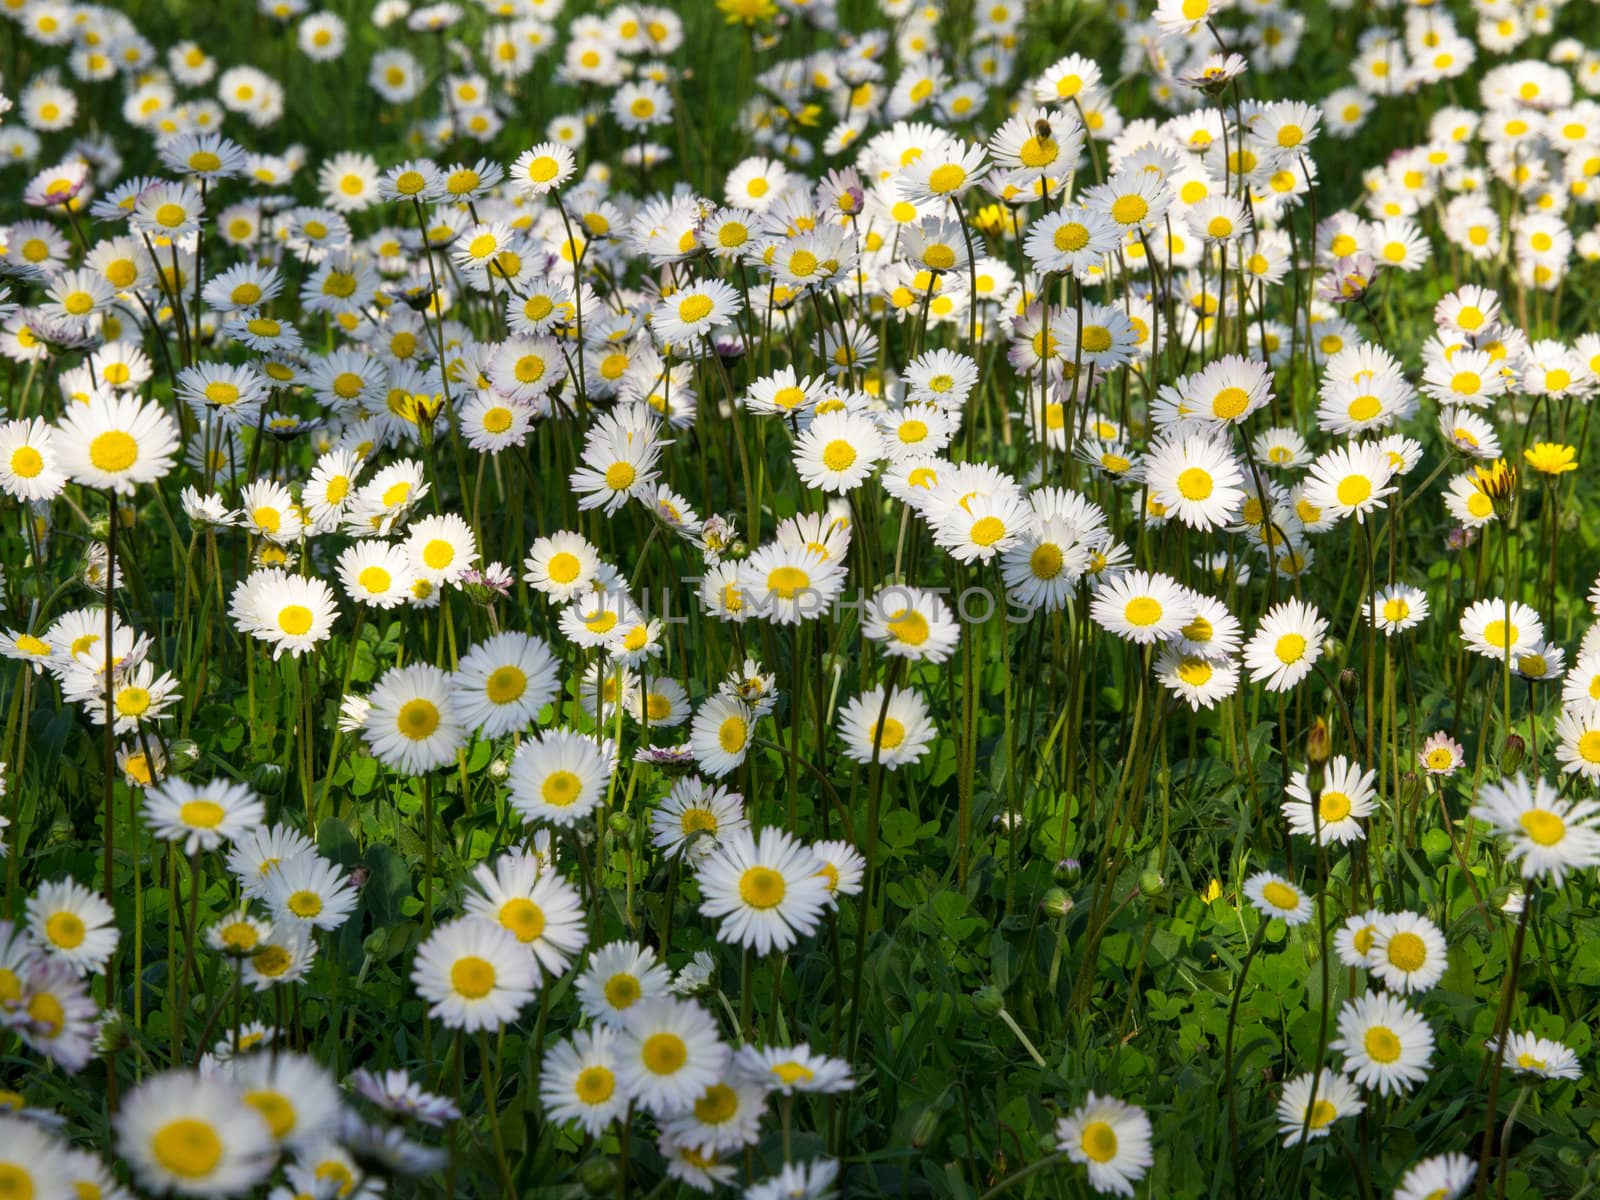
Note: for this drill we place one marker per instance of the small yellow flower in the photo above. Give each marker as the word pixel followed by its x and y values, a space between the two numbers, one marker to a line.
pixel 1211 891
pixel 1551 458
pixel 1498 481
pixel 747 12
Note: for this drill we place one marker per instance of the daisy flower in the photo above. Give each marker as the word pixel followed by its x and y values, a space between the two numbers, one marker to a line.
pixel 1442 1177
pixel 892 734
pixel 1528 1054
pixel 668 1053
pixel 412 725
pixel 1397 608
pixel 559 776
pixel 1386 1044
pixel 395 1092
pixel 1346 796
pixel 182 1131
pixel 28 463
pixel 1548 834
pixel 540 908
pixel 1350 480
pixel 1407 953
pixel 294 1094
pixel 441 548
pixel 474 974
pixel 1142 607
pixel 291 613
pixel 1199 680
pixel 1196 477
pixel 813 1180
pixel 843 867
pixel 797 1068
pixel 617 467
pixel 1111 1138
pixel 768 891
pixel 562 566
pixel 377 574
pixel 116 442
pixel 1285 646
pixel 1276 896
pixel 73 924
pixel 260 851
pixel 1300 1118
pixel 202 818
pixel 1495 627
pixel 578 1081
pixel 693 816
pixel 618 976
pixel 285 958
pixel 310 892
pixel 502 683
pixel 838 451
pixel 789 584
pixel 694 312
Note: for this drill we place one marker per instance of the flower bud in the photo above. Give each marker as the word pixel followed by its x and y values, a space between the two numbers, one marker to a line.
pixel 927 1125
pixel 182 754
pixel 268 778
pixel 1067 871
pixel 1512 754
pixel 1056 902
pixel 988 1001
pixel 621 824
pixel 598 1176
pixel 1151 884
pixel 1319 743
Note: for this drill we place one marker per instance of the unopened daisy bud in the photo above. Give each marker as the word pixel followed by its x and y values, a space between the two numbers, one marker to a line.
pixel 621 824
pixel 1350 682
pixel 1151 884
pixel 182 754
pixel 1410 788
pixel 1319 743
pixel 1512 754
pixel 268 778
pixel 1067 871
pixel 1056 902
pixel 598 1176
pixel 499 768
pixel 113 1036
pixel 927 1125
pixel 988 1001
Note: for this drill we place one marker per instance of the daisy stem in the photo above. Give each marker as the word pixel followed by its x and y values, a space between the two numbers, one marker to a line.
pixel 1501 1024
pixel 344 690
pixel 1017 1177
pixel 427 855
pixel 491 1085
pixel 1227 1055
pixel 110 764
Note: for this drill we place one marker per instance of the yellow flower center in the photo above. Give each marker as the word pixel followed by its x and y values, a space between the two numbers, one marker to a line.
pixel 664 1053
pixel 1407 951
pixel 560 788
pixel 762 887
pixel 1099 1139
pixel 188 1148
pixel 472 977
pixel 202 814
pixel 113 451
pixel 417 719
pixel 522 917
